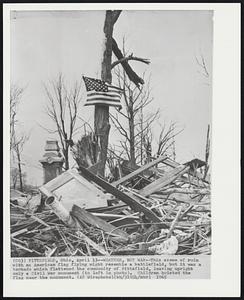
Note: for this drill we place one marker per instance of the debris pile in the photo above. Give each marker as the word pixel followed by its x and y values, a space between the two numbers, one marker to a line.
pixel 162 212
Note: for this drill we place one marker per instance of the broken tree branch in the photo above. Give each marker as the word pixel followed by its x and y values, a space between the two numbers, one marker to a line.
pixel 130 57
pixel 129 71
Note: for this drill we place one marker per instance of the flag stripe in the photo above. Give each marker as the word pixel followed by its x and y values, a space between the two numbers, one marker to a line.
pixel 111 95
pixel 103 97
pixel 114 87
pixel 103 102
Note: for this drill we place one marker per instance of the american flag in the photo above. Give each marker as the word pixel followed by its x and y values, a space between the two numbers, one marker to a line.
pixel 100 92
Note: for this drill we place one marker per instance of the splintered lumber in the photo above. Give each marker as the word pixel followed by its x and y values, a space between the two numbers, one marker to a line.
pixel 85 216
pixel 190 179
pixel 179 208
pixel 114 216
pixel 130 200
pixel 166 179
pixel 140 170
pixel 185 191
pixel 64 215
pixel 174 222
pixel 90 242
pixel 114 208
pixel 21 231
pixel 125 217
pixel 40 221
pixel 22 247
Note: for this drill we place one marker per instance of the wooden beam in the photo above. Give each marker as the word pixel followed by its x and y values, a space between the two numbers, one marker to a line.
pixel 140 170
pixel 166 179
pixel 130 200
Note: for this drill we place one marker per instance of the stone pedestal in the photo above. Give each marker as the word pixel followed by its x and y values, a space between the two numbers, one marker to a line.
pixel 52 161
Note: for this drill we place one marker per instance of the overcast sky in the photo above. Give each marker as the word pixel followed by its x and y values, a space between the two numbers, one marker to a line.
pixel 45 43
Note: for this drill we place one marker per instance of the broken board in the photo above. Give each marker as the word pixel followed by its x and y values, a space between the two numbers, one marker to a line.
pixel 130 200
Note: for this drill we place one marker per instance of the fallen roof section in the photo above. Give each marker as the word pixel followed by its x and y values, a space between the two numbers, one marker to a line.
pixel 72 189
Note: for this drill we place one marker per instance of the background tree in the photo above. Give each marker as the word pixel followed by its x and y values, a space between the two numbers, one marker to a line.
pixel 207 153
pixel 166 140
pixel 132 122
pixel 204 72
pixel 63 110
pixel 14 175
pixel 18 149
pixel 16 93
pixel 202 67
pixel 17 137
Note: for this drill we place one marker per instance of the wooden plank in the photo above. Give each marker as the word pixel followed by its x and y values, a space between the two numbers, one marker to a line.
pixel 177 217
pixel 22 247
pixel 117 208
pixel 166 179
pixel 122 217
pixel 111 216
pixel 130 200
pixel 21 231
pixel 40 221
pixel 140 170
pixel 85 216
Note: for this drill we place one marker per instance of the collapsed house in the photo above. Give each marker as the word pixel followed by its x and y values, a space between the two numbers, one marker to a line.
pixel 164 211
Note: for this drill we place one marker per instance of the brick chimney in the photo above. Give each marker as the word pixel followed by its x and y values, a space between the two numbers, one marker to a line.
pixel 52 161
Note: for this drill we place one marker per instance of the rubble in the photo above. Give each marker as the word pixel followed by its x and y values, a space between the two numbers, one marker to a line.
pixel 168 213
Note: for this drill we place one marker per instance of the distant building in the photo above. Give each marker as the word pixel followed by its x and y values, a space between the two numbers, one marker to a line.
pixel 52 161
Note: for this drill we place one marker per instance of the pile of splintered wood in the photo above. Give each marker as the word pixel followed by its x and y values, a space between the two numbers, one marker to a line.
pixel 161 212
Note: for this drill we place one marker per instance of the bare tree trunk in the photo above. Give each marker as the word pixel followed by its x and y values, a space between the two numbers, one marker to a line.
pixel 66 158
pixel 207 151
pixel 19 168
pixel 132 146
pixel 101 118
pixel 141 135
pixel 132 134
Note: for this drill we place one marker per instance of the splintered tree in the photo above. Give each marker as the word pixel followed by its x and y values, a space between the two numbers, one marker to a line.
pixel 101 118
pixel 63 109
